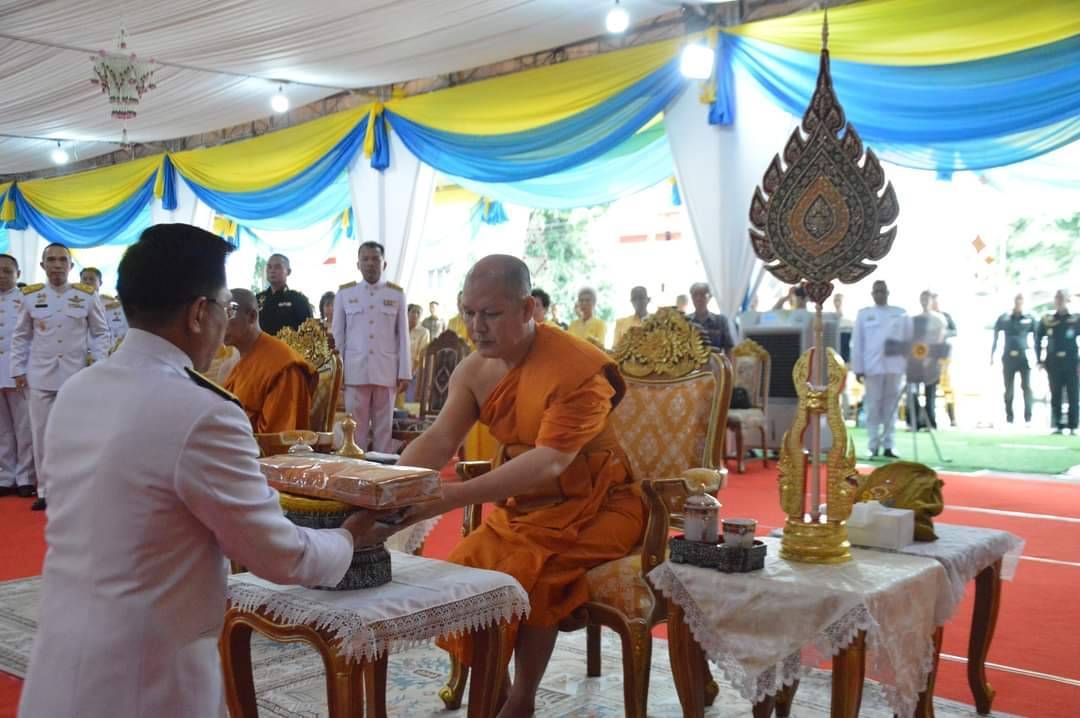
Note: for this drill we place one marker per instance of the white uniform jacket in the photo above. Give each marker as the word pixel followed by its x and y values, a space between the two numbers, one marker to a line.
pixel 56 330
pixel 154 482
pixel 873 326
pixel 371 331
pixel 10 308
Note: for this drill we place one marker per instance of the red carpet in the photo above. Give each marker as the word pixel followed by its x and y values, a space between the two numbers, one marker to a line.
pixel 1036 627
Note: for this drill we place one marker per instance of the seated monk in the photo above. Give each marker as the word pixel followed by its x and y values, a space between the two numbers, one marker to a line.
pixel 272 381
pixel 562 485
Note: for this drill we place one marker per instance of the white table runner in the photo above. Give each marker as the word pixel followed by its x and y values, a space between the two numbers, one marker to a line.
pixel 427 599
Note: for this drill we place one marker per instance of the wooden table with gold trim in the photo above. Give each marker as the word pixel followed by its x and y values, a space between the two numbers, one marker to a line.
pixel 355 631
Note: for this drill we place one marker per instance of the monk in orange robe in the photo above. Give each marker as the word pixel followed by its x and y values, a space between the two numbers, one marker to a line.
pixel 272 381
pixel 565 497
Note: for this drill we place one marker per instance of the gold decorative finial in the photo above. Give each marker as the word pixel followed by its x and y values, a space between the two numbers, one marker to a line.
pixel 665 343
pixel 349 447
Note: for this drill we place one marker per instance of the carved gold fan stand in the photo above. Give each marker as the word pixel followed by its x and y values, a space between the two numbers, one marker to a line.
pixel 818 220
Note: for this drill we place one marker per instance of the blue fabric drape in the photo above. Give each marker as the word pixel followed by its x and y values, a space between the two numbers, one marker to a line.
pixel 330 202
pixel 291 194
pixel 120 225
pixel 637 164
pixel 518 156
pixel 968 115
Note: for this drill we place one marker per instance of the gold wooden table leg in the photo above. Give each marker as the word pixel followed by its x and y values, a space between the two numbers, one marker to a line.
pixel 983 622
pixel 486 692
pixel 849 669
pixel 375 687
pixel 785 698
pixel 687 663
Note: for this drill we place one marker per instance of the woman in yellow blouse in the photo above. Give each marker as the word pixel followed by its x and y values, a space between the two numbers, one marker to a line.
pixel 587 326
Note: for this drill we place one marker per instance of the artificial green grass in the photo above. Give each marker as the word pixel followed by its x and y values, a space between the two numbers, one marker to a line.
pixel 966 451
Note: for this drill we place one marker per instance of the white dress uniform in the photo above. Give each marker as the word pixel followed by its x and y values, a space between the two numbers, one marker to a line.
pixel 57 330
pixel 883 375
pixel 371 331
pixel 154 483
pixel 114 315
pixel 16 447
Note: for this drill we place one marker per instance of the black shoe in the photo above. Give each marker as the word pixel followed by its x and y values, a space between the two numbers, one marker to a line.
pixel 1056 431
pixel 873 454
pixel 889 453
pixel 7 490
pixel 39 504
pixel 25 492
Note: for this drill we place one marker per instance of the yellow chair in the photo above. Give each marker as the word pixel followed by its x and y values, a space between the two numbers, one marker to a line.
pixel 752 365
pixel 670 424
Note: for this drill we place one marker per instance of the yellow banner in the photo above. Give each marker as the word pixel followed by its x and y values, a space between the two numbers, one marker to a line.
pixel 89 193
pixel 923 32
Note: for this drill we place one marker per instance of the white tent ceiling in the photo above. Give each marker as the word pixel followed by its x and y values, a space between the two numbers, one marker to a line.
pixel 222 57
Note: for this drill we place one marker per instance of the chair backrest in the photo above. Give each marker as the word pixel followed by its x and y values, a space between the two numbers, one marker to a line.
pixel 440 359
pixel 751 363
pixel 674 413
pixel 312 342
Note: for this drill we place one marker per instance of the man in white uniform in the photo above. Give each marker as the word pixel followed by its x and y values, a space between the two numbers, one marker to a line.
pixel 60 325
pixel 148 499
pixel 16 452
pixel 883 374
pixel 371 330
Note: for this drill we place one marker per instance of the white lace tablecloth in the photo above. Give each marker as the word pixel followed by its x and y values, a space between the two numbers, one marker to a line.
pixel 427 599
pixel 964 551
pixel 412 538
pixel 762 627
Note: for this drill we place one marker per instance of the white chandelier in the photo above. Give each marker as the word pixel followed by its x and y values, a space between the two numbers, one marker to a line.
pixel 123 78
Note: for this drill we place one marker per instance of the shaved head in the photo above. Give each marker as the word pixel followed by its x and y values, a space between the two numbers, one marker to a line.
pixel 503 271
pixel 245 301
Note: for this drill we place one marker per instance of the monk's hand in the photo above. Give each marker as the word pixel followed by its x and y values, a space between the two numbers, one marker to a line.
pixel 367 529
pixel 20 381
pixel 403 385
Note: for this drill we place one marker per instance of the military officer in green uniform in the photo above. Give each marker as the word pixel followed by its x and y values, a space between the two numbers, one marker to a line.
pixel 1061 330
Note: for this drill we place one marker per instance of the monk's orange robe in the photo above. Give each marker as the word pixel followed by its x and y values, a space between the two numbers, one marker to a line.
pixel 274 384
pixel 559 397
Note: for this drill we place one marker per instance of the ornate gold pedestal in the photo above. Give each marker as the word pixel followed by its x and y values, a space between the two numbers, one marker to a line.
pixel 815 543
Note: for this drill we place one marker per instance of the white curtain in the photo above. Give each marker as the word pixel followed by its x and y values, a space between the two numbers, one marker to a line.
pixel 717 169
pixel 390 207
pixel 189 209
pixel 26 245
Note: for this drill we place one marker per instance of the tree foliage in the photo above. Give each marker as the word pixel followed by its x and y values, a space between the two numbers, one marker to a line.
pixel 561 259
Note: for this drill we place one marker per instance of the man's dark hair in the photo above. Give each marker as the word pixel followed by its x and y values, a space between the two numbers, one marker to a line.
pixel 282 257
pixel 414 306
pixel 168 268
pixel 50 245
pixel 543 297
pixel 372 245
pixel 8 256
pixel 96 272
pixel 326 297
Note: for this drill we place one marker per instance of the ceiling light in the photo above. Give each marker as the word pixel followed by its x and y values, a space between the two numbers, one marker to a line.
pixel 280 102
pixel 617 19
pixel 59 156
pixel 697 61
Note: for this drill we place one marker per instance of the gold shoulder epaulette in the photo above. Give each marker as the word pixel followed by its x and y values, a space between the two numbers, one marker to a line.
pixel 394 286
pixel 216 388
pixel 31 288
pixel 346 285
pixel 83 287
pixel 113 304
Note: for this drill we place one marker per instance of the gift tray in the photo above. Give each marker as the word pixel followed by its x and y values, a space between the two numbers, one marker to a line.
pixel 721 556
pixel 352 481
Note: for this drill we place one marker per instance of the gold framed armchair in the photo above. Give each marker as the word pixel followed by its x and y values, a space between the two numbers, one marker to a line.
pixel 671 426
pixel 752 364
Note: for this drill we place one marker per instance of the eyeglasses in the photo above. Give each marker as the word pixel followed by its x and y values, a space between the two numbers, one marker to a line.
pixel 231 308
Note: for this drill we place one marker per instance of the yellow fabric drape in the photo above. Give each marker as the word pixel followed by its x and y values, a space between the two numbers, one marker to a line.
pixel 224 227
pixel 923 32
pixel 529 99
pixel 7 207
pixel 374 115
pixel 88 193
pixel 268 160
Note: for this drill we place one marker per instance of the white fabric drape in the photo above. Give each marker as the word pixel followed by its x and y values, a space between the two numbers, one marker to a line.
pixel 189 209
pixel 717 169
pixel 26 246
pixel 390 207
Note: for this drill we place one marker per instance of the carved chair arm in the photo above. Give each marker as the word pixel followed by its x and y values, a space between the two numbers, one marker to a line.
pixel 473 512
pixel 663 497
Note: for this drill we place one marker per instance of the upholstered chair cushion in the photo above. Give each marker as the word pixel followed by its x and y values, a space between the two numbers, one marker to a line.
pixel 620 584
pixel 746 418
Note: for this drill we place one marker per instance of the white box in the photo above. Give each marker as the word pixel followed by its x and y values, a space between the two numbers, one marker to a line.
pixel 877 526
